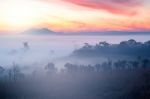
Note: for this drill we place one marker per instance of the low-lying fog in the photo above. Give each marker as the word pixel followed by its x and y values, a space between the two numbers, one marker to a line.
pixel 29 49
pixel 74 67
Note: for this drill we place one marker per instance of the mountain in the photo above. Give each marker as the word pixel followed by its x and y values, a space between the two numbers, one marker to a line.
pixel 111 33
pixel 41 31
pixel 46 31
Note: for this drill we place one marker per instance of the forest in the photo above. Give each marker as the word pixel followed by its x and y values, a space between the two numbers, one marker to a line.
pixel 129 48
pixel 121 79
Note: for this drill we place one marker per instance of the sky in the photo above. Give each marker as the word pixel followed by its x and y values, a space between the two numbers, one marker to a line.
pixel 75 15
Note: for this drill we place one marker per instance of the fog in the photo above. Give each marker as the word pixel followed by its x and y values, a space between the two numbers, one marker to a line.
pixel 62 67
pixel 48 48
pixel 111 80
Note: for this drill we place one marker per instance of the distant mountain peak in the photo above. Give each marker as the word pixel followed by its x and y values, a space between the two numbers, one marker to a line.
pixel 46 31
pixel 40 31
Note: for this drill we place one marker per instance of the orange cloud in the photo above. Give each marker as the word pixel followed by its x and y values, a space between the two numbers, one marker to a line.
pixel 75 15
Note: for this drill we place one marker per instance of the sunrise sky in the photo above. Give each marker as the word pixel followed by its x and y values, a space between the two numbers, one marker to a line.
pixel 75 15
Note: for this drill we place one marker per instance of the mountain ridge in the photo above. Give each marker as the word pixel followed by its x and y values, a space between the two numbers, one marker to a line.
pixel 46 31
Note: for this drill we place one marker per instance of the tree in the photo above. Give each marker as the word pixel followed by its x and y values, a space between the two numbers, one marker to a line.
pixel 25 46
pixel 120 64
pixel 106 66
pixel 90 68
pixel 71 67
pixel 1 70
pixel 134 64
pixel 15 73
pixel 145 63
pixel 98 67
pixel 50 68
pixel 104 44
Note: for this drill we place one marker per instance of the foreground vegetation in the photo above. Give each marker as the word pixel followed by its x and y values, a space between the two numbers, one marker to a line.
pixel 122 79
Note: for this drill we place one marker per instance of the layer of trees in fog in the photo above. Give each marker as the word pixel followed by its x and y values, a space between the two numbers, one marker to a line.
pixel 122 79
pixel 103 79
pixel 130 48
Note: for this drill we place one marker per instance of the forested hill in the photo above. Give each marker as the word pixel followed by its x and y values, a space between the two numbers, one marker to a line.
pixel 130 48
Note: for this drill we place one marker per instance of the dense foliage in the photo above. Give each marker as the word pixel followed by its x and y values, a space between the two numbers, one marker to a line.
pixel 130 48
pixel 120 79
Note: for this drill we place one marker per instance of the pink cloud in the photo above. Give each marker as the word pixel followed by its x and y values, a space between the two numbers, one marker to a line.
pixel 127 7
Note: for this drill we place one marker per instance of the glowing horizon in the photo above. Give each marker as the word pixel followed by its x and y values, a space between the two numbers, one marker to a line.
pixel 75 15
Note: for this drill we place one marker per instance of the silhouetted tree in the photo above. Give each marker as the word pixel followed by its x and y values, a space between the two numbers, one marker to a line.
pixel 50 68
pixel 104 44
pixel 134 64
pixel 106 66
pixel 87 46
pixel 90 68
pixel 26 46
pixel 1 70
pixel 14 73
pixel 98 67
pixel 120 64
pixel 145 63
